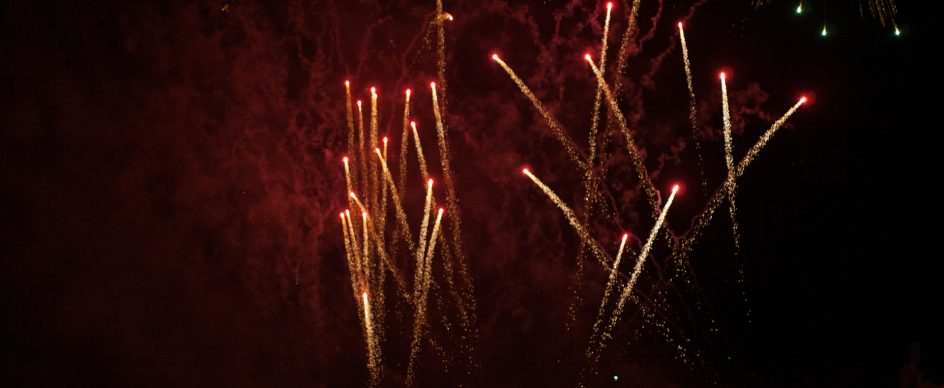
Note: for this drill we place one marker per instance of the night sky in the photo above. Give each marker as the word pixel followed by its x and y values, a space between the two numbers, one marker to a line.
pixel 170 183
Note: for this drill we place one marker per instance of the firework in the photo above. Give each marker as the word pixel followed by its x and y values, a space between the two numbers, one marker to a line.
pixel 419 151
pixel 419 317
pixel 397 204
pixel 404 142
pixel 643 253
pixel 606 292
pixel 373 350
pixel 551 122
pixel 729 161
pixel 692 107
pixel 631 147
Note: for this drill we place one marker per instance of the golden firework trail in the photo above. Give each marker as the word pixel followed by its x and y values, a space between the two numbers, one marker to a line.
pixel 372 166
pixel 623 53
pixel 362 147
pixel 464 296
pixel 571 218
pixel 397 204
pixel 551 122
pixel 351 263
pixel 704 218
pixel 638 164
pixel 420 316
pixel 692 107
pixel 373 350
pixel 350 124
pixel 729 162
pixel 595 118
pixel 404 142
pixel 618 311
pixel 427 209
pixel 606 292
pixel 357 201
pixel 419 151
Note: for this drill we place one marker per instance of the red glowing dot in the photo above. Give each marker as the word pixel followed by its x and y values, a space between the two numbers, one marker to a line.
pixel 441 210
pixel 609 6
pixel 680 25
pixel 494 57
pixel 358 103
pixel 431 182
pixel 347 83
pixel 432 85
pixel 587 57
pixel 412 123
pixel 344 159
pixel 385 140
pixel 408 91
pixel 625 236
pixel 373 90
pixel 364 214
pixel 377 149
pixel 803 100
pixel 675 189
pixel 525 171
pixel 342 215
pixel 722 75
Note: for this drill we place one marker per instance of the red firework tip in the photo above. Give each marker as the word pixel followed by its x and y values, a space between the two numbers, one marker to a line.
pixel 347 83
pixel 803 100
pixel 525 171
pixel 373 90
pixel 432 85
pixel 344 159
pixel 587 57
pixel 358 103
pixel 441 210
pixel 342 215
pixel 348 212
pixel 675 189
pixel 625 236
pixel 364 295
pixel 408 91
pixel 680 25
pixel 377 149
pixel 494 57
pixel 351 194
pixel 385 139
pixel 430 182
pixel 412 123
pixel 609 5
pixel 722 75
pixel 364 214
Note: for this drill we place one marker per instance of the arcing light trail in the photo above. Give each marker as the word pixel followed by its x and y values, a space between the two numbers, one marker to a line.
pixel 680 244
pixel 729 161
pixel 374 247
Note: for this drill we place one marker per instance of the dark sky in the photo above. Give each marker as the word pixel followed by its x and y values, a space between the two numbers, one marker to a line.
pixel 170 182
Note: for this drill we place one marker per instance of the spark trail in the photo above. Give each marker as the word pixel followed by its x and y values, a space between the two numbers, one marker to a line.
pixel 704 218
pixel 729 162
pixel 556 128
pixel 606 293
pixel 373 350
pixel 420 314
pixel 464 296
pixel 419 151
pixel 350 126
pixel 404 143
pixel 641 173
pixel 397 204
pixel 571 218
pixel 637 270
pixel 692 108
